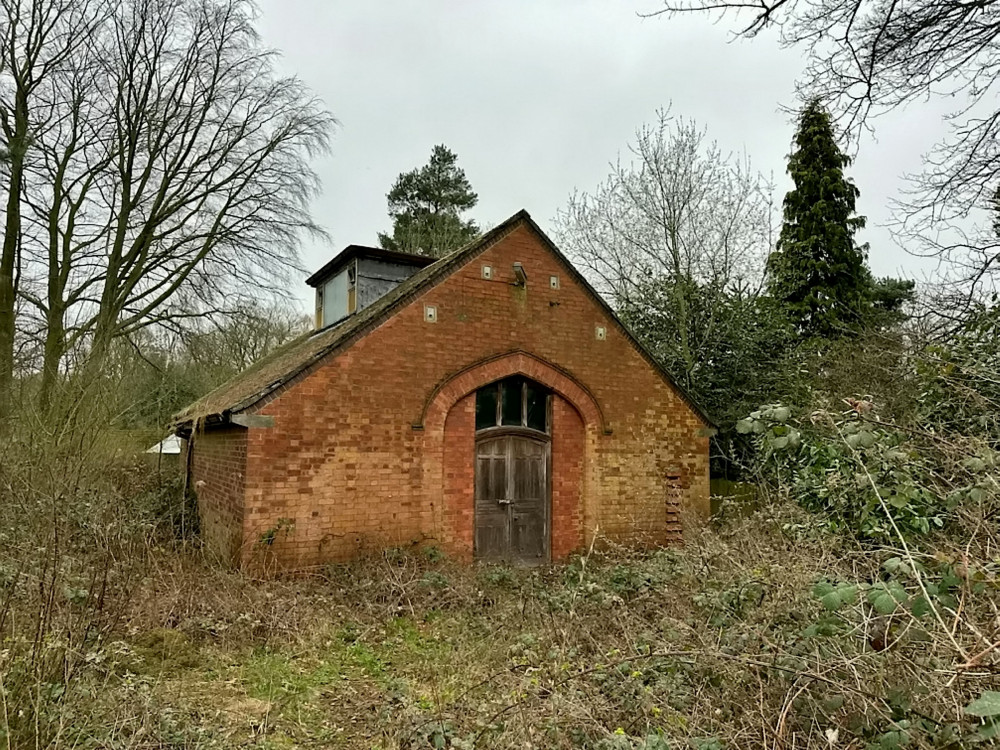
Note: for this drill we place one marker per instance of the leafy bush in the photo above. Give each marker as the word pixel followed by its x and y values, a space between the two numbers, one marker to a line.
pixel 867 476
pixel 913 587
pixel 959 387
pixel 735 353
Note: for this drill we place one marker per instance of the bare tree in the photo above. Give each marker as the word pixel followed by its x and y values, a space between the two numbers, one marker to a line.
pixel 678 208
pixel 229 346
pixel 175 180
pixel 867 57
pixel 152 373
pixel 37 40
pixel 677 237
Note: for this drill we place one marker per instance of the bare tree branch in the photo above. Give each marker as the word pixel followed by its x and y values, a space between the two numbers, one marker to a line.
pixel 176 165
pixel 867 57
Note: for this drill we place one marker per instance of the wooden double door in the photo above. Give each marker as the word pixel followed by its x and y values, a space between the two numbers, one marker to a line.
pixel 512 499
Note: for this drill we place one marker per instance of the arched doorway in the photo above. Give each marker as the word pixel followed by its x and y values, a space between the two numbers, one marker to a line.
pixel 513 449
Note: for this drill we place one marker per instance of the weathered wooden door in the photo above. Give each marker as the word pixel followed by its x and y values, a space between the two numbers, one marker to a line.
pixel 512 499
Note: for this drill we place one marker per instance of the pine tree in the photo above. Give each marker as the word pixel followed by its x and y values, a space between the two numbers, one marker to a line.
pixel 426 204
pixel 817 271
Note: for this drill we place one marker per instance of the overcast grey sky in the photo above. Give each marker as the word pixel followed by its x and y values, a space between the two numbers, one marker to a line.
pixel 538 96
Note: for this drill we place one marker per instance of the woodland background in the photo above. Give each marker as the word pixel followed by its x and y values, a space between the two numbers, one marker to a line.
pixel 156 181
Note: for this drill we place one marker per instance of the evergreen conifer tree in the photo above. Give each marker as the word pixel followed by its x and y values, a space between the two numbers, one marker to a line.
pixel 817 271
pixel 426 204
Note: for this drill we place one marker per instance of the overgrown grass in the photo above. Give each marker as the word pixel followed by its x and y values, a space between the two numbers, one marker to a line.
pixel 724 642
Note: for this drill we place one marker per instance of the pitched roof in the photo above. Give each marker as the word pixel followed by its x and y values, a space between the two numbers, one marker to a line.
pixel 281 366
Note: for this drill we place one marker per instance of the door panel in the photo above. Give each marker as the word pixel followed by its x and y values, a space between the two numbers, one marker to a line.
pixel 512 499
pixel 491 492
pixel 529 530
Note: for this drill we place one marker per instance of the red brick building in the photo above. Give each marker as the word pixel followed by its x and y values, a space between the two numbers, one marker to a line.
pixel 489 403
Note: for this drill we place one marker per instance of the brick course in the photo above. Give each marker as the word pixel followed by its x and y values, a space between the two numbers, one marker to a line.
pixel 375 445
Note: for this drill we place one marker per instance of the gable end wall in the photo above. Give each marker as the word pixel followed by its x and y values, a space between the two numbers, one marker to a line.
pixel 348 465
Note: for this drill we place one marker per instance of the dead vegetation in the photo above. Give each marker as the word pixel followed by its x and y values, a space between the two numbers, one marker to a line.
pixel 726 642
pixel 774 627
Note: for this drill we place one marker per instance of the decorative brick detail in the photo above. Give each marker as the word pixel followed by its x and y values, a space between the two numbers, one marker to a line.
pixel 568 447
pixel 343 468
pixel 458 517
pixel 674 503
pixel 498 367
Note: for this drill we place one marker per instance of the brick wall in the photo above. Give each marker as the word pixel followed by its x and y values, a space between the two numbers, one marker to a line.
pixel 569 446
pixel 457 529
pixel 218 467
pixel 375 446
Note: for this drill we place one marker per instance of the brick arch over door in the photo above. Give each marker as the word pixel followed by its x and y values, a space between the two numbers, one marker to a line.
pixel 449 448
pixel 468 380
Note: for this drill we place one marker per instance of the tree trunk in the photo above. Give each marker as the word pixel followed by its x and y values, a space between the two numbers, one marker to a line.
pixel 55 348
pixel 100 346
pixel 9 255
pixel 7 298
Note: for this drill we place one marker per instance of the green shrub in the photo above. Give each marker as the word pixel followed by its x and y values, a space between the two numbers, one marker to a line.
pixel 865 476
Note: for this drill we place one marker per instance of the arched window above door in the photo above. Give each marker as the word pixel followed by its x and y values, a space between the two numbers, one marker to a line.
pixel 513 402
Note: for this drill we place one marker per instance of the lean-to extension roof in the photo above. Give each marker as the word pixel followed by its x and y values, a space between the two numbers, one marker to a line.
pixel 281 366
